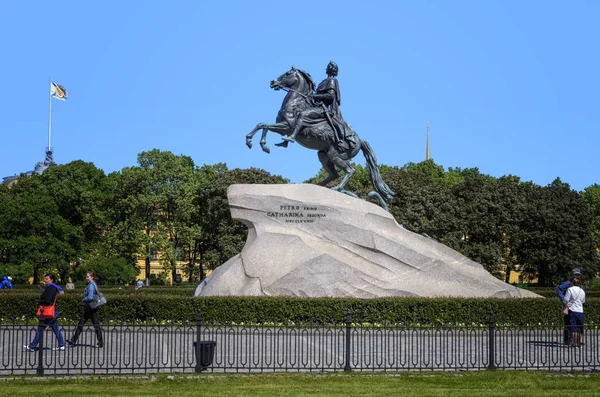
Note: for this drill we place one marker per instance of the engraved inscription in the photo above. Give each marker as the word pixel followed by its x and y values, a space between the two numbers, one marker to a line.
pixel 297 213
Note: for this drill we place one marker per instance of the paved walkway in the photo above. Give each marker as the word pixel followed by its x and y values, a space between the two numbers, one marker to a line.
pixel 153 349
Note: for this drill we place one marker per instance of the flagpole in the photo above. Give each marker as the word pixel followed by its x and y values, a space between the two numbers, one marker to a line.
pixel 50 113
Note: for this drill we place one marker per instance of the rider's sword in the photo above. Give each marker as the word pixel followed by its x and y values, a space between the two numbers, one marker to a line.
pixel 337 134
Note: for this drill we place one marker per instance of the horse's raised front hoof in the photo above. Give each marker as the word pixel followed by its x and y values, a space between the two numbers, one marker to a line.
pixel 266 149
pixel 249 143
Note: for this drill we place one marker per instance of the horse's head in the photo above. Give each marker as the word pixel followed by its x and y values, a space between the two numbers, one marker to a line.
pixel 293 78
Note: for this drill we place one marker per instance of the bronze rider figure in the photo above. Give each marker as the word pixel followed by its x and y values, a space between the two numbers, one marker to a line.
pixel 327 101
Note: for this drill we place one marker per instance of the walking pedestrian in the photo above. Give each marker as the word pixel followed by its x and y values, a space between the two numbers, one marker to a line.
pixel 90 291
pixel 48 299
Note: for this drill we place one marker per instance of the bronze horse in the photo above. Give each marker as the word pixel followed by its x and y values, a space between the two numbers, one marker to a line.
pixel 319 136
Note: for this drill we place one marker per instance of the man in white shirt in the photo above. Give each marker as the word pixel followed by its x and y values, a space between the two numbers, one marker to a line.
pixel 574 300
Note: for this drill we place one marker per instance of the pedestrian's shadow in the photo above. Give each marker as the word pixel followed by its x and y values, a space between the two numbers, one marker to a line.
pixel 545 343
pixel 82 345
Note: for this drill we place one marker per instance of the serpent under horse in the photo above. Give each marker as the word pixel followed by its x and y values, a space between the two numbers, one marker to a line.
pixel 319 135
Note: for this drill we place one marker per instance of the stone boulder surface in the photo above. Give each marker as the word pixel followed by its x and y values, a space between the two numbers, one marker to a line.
pixel 309 241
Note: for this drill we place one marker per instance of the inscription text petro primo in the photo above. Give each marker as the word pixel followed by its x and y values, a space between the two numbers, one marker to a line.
pixel 297 213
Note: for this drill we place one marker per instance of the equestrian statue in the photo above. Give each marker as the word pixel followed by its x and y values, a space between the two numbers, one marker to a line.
pixel 314 120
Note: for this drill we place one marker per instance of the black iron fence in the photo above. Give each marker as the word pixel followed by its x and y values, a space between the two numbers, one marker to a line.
pixel 228 347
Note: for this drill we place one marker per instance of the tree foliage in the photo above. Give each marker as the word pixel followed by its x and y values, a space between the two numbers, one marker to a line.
pixel 73 218
pixel 591 196
pixel 556 233
pixel 108 270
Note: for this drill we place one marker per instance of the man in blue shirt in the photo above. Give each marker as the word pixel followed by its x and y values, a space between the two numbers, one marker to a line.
pixel 560 292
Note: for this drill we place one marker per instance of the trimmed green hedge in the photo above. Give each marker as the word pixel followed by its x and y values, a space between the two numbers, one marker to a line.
pixel 186 290
pixel 152 305
pixel 551 292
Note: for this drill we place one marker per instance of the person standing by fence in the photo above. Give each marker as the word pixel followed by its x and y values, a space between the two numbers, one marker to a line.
pixel 88 313
pixel 561 290
pixel 574 300
pixel 48 298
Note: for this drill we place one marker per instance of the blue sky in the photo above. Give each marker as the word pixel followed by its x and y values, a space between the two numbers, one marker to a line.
pixel 510 87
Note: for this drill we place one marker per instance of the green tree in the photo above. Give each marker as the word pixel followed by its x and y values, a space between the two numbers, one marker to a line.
pixel 511 194
pixel 7 209
pixel 154 206
pixel 33 231
pixel 82 194
pixel 436 173
pixel 423 204
pixel 591 196
pixel 195 236
pixel 556 233
pixel 480 213
pixel 108 270
pixel 428 168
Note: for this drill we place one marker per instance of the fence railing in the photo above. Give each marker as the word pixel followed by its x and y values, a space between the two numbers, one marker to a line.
pixel 228 347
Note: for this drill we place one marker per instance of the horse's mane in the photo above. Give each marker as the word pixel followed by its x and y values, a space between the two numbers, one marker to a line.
pixel 308 79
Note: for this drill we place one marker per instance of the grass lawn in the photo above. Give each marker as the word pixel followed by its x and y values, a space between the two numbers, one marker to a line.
pixel 499 383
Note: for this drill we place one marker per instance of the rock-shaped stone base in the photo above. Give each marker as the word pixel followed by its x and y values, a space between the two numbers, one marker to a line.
pixel 310 241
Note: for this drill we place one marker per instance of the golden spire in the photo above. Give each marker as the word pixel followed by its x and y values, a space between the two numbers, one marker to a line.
pixel 427 156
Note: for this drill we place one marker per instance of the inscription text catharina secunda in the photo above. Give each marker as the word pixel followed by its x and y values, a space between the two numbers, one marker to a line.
pixel 297 213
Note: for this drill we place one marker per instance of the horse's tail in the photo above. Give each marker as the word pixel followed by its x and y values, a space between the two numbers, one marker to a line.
pixel 380 186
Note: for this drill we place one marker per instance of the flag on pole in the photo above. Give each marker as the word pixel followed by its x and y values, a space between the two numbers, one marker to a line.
pixel 58 91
